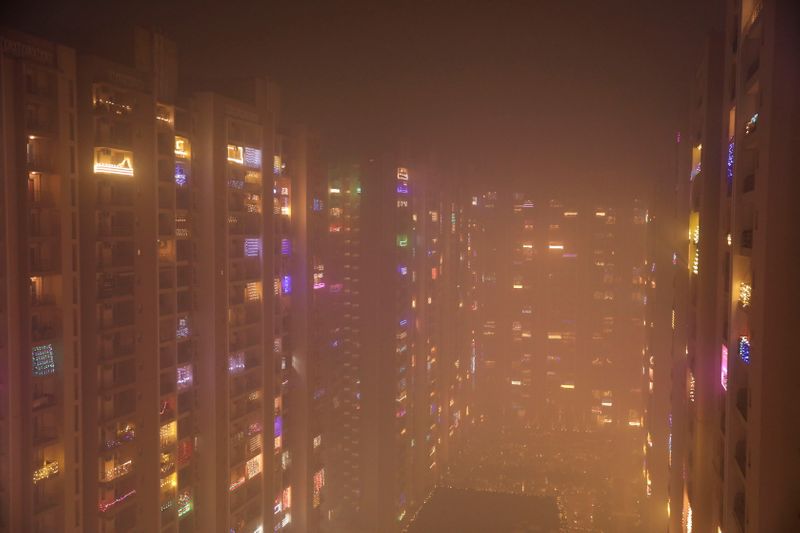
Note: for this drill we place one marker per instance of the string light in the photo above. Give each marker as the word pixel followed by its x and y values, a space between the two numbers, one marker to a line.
pixel 43 360
pixel 745 293
pixel 48 470
pixel 252 157
pixel 744 348
pixel 104 506
pixel 236 363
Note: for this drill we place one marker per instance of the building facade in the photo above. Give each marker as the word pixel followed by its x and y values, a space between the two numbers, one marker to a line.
pixel 41 427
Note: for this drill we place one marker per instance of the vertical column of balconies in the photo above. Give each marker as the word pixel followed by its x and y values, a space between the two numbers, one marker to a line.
pixel 343 204
pixel 186 330
pixel 745 147
pixel 177 342
pixel 246 346
pixel 282 290
pixel 114 253
pixel 49 231
pixel 407 306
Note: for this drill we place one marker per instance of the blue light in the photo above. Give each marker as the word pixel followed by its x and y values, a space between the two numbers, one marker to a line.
pixel 286 285
pixel 744 349
pixel 402 187
pixel 729 167
pixel 286 247
pixel 180 175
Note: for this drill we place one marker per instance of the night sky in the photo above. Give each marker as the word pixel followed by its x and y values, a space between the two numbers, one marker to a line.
pixel 586 92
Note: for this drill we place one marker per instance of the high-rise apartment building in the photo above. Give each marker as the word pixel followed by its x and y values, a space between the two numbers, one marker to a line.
pixel 138 292
pixel 761 465
pixel 397 382
pixel 244 304
pixel 41 427
pixel 730 425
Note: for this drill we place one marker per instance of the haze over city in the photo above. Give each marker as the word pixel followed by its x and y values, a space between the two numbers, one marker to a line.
pixel 349 266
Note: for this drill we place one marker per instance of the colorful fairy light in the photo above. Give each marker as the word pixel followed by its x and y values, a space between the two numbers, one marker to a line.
pixel 252 157
pixel 106 505
pixel 723 367
pixel 236 484
pixel 236 363
pixel 745 293
pixel 111 161
pixel 235 154
pixel 47 470
pixel 180 175
pixel 182 147
pixel 286 284
pixel 252 247
pixel 751 125
pixel 253 466
pixel 43 359
pixel 185 377
pixel 730 161
pixel 185 503
pixel 744 349
pixel 183 329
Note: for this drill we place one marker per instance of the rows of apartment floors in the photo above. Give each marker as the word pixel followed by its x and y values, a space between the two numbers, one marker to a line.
pixel 722 423
pixel 191 312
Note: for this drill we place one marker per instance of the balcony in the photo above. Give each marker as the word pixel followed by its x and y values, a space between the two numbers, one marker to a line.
pixel 749 183
pixel 116 346
pixel 114 471
pixel 43 401
pixel 747 239
pixel 116 228
pixel 752 69
pixel 109 132
pixel 741 457
pixel 46 331
pixel 116 286
pixel 44 436
pixel 105 505
pixel 117 256
pixel 741 402
pixel 739 505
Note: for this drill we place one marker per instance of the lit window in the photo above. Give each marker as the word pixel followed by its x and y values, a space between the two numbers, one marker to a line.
pixel 183 148
pixel 113 161
pixel 235 154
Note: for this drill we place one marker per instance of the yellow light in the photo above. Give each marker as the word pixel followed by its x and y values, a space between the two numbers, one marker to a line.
pixel 570 213
pixel 556 246
pixel 112 161
pixel 600 213
pixel 730 241
pixel 48 469
pixel 182 147
pixel 236 154
pixel 568 386
pixel 745 294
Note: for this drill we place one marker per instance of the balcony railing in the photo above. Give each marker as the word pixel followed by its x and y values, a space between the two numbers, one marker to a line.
pixel 116 471
pixel 747 239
